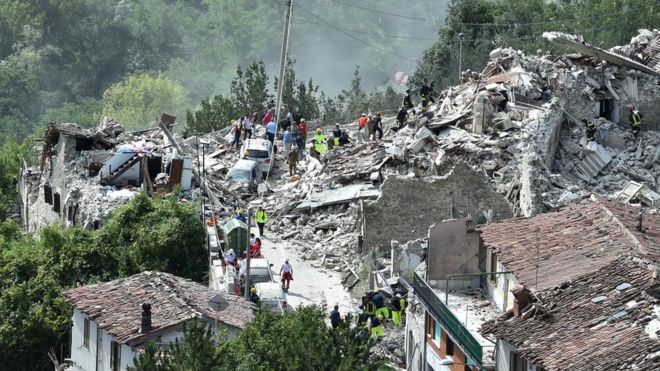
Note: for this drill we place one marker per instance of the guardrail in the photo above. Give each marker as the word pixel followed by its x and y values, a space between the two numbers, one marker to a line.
pixel 444 315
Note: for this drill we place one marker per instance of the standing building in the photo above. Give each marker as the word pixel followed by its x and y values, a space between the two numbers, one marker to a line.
pixel 113 320
pixel 559 268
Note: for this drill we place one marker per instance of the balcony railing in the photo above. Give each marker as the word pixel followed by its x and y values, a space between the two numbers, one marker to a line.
pixel 444 315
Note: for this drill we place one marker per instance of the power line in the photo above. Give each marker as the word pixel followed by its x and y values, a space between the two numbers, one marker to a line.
pixel 342 30
pixel 542 22
pixel 386 13
pixel 376 35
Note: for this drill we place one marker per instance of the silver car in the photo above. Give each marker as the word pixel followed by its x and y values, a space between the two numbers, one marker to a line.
pixel 261 151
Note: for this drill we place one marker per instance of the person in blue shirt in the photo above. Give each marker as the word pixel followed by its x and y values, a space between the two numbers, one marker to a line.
pixel 271 130
pixel 335 317
pixel 300 146
pixel 287 141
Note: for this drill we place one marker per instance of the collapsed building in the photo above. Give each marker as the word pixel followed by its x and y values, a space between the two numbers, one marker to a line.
pixel 83 175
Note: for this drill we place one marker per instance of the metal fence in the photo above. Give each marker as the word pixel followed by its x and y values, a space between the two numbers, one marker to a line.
pixel 449 322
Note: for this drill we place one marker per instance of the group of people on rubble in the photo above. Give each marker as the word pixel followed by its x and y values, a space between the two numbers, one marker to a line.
pixel 634 117
pixel 376 312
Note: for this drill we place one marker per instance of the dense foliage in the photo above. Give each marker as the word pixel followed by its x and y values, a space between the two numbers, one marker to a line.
pixel 487 25
pixel 145 234
pixel 299 340
pixel 58 58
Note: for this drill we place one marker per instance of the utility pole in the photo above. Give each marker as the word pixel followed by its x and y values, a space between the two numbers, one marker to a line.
pixel 247 260
pixel 280 81
pixel 461 37
pixel 283 57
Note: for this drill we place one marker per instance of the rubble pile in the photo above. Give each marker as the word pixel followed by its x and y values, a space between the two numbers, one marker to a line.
pixel 520 122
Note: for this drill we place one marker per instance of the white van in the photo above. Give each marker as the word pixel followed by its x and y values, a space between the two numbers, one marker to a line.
pixel 259 150
pixel 272 297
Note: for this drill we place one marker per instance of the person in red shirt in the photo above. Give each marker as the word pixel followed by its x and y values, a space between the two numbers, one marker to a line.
pixel 255 249
pixel 267 118
pixel 362 124
pixel 302 127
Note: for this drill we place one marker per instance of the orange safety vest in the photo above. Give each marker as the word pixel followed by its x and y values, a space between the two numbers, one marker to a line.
pixel 362 121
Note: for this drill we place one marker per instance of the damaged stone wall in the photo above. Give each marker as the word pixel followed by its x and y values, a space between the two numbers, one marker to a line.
pixel 453 249
pixel 408 206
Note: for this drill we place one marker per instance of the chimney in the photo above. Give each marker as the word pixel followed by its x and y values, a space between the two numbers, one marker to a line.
pixel 521 301
pixel 640 220
pixel 145 326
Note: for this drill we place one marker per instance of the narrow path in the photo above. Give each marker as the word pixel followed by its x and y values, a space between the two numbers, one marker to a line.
pixel 310 285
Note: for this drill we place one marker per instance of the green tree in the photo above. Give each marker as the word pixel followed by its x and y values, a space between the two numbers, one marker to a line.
pixel 249 90
pixel 212 115
pixel 145 234
pixel 309 344
pixel 11 160
pixel 86 112
pixel 139 100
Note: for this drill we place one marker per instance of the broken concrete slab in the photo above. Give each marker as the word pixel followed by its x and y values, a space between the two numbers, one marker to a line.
pixel 586 49
pixel 339 195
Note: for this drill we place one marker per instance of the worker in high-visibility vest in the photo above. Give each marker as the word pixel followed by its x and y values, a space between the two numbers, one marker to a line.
pixel 261 218
pixel 319 142
pixel 377 327
pixel 635 120
pixel 396 309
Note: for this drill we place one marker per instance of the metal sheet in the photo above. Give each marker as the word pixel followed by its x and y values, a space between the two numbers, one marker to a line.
pixel 339 196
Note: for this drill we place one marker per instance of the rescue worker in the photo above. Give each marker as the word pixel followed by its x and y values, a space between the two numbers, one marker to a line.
pixel 240 215
pixel 344 139
pixel 319 142
pixel 335 317
pixel 377 327
pixel 407 101
pixel 369 306
pixel 376 126
pixel 261 218
pixel 286 274
pixel 362 128
pixel 635 120
pixel 426 92
pixel 401 117
pixel 402 305
pixel 591 129
pixel 336 134
pixel 293 161
pixel 253 296
pixel 396 309
pixel 381 309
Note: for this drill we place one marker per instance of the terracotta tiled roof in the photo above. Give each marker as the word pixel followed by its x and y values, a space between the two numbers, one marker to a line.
pixel 116 305
pixel 592 323
pixel 574 240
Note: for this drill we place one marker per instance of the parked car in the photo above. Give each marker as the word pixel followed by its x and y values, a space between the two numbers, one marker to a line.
pixel 247 173
pixel 261 151
pixel 272 297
